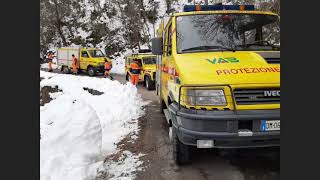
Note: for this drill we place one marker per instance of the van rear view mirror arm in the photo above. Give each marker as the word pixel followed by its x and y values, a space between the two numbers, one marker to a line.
pixel 157 46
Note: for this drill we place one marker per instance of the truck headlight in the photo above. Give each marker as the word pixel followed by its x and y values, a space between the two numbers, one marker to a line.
pixel 206 97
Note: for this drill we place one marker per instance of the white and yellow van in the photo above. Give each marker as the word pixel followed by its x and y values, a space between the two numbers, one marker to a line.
pixel 91 60
pixel 218 77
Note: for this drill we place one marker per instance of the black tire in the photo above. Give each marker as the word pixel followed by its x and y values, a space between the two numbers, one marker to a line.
pixel 181 152
pixel 157 90
pixel 148 83
pixel 65 70
pixel 162 105
pixel 91 71
pixel 153 87
pixel 127 77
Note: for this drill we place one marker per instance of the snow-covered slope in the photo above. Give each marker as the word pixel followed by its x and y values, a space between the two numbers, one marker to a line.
pixel 79 129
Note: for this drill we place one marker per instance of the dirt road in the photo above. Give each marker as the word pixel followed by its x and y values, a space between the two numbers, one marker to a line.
pixel 207 165
pixel 153 141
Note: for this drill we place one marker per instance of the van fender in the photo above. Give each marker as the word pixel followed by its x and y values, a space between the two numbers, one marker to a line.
pixel 147 73
pixel 88 66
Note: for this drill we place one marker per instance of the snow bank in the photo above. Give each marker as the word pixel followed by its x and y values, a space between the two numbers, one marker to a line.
pixel 78 129
pixel 70 140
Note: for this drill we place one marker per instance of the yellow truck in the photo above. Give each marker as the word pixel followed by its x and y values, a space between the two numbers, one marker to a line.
pixel 147 63
pixel 218 77
pixel 91 60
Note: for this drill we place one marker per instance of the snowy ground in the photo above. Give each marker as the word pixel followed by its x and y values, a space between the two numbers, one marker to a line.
pixel 46 66
pixel 79 129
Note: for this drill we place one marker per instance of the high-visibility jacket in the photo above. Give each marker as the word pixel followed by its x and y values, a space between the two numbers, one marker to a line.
pixel 74 61
pixel 134 68
pixel 107 66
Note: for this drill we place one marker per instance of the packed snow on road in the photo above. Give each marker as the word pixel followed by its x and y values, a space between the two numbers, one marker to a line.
pixel 46 66
pixel 80 128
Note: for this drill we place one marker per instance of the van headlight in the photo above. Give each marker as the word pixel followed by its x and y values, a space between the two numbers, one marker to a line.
pixel 213 97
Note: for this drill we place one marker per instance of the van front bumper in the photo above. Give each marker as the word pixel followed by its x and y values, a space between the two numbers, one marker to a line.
pixel 99 68
pixel 223 127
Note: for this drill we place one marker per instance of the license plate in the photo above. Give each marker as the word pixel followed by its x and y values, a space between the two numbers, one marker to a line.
pixel 270 125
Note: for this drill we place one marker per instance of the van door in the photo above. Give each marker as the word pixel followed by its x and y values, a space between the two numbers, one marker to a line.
pixel 84 59
pixel 166 62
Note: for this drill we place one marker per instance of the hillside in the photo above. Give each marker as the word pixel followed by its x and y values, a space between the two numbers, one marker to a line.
pixel 118 27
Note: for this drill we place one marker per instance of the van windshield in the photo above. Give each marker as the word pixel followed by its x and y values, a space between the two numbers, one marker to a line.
pixel 149 60
pixel 96 53
pixel 225 32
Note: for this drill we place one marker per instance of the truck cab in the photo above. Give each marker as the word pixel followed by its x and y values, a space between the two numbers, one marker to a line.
pixel 218 77
pixel 147 63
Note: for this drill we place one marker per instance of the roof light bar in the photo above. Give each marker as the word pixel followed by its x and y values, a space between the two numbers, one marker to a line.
pixel 190 8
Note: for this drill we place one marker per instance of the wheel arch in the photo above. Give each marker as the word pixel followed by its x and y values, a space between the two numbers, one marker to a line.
pixel 145 75
pixel 170 100
pixel 89 66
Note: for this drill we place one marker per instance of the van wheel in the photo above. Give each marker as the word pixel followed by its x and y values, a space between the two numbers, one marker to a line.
pixel 91 71
pixel 157 90
pixel 181 152
pixel 65 70
pixel 148 82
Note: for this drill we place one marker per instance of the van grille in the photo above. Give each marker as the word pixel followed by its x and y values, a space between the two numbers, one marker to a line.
pixel 257 96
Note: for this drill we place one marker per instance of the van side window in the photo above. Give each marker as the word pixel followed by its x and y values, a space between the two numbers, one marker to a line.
pixel 170 40
pixel 167 46
pixel 84 54
pixel 165 43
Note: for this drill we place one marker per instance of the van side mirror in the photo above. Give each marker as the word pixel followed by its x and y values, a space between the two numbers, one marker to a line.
pixel 157 48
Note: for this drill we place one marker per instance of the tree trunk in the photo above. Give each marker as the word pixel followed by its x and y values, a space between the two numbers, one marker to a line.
pixel 58 24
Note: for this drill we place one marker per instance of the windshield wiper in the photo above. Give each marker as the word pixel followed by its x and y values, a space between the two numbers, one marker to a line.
pixel 206 48
pixel 259 43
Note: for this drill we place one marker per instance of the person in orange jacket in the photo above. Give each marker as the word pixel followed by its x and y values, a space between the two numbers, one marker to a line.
pixel 107 68
pixel 74 64
pixel 50 57
pixel 134 72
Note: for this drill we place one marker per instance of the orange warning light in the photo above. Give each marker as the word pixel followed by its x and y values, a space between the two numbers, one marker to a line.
pixel 242 7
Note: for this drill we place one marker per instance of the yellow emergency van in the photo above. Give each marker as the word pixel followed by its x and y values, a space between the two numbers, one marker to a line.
pixel 218 77
pixel 90 60
pixel 147 63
